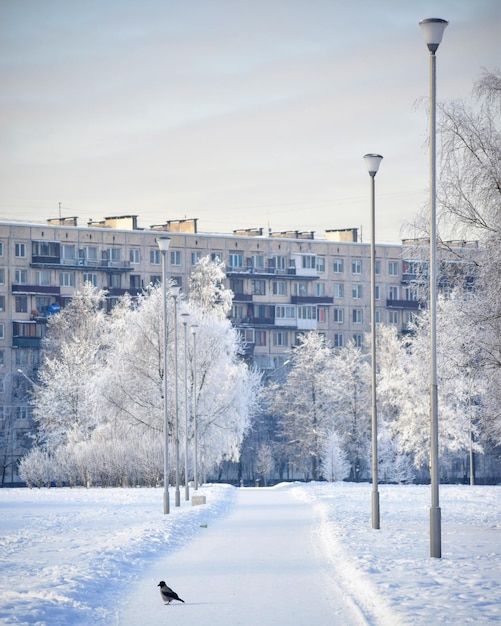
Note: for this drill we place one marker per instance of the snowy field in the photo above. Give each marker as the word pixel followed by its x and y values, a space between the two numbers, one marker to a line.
pixel 68 555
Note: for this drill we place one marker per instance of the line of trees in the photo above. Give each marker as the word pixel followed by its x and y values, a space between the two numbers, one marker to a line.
pixel 99 405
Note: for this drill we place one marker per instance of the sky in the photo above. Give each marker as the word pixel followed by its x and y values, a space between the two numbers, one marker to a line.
pixel 240 114
pixel 297 553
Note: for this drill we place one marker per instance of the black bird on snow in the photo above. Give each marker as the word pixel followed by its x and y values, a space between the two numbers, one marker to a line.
pixel 167 593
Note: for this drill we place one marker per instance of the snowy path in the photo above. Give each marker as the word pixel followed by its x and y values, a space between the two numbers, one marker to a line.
pixel 262 564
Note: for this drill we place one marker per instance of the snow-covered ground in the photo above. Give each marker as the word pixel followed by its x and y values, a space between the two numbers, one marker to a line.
pixel 83 556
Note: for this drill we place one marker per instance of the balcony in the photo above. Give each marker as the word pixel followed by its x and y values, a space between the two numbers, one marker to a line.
pixel 26 342
pixel 46 290
pixel 51 262
pixel 242 297
pixel 261 271
pixel 408 305
pixel 312 300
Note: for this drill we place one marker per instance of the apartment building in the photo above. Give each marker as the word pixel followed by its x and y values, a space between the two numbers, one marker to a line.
pixel 283 283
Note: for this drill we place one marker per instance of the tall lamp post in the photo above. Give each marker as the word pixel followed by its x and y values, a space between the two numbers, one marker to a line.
pixel 163 244
pixel 433 30
pixel 186 317
pixel 372 161
pixel 175 294
pixel 195 426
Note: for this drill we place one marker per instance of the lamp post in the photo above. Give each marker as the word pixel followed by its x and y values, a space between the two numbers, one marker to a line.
pixel 163 244
pixel 195 427
pixel 433 29
pixel 186 317
pixel 175 295
pixel 373 161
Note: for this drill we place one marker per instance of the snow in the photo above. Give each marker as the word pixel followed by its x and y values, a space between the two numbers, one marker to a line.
pixel 296 553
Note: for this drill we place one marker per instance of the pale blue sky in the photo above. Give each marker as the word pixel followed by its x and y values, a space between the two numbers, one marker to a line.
pixel 240 113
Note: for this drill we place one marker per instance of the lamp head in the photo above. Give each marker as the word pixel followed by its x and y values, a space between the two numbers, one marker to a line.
pixel 433 29
pixel 372 161
pixel 163 243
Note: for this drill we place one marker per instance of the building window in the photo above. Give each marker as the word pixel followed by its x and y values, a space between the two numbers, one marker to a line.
pixel 66 279
pixel 2 276
pixel 237 312
pixel 67 254
pixel 377 267
pixel 89 253
pixel 279 262
pixel 320 289
pixel 280 338
pixel 135 281
pixel 21 277
pixel 2 358
pixel 300 289
pixel 216 257
pixel 237 285
pixel 2 303
pixel 357 316
pixel 339 316
pixel 279 288
pixel 307 312
pixel 115 281
pixel 377 316
pixel 356 291
pixel 377 292
pixel 22 358
pixel 393 268
pixel 21 304
pixel 309 261
pixel 195 258
pixel 155 279
pixel 260 337
pixel 338 290
pixel 20 250
pixel 90 278
pixel 356 266
pixel 2 331
pixel 393 292
pixel 321 314
pixel 1 248
pixel 42 278
pixel 135 256
pixel 175 257
pixel 155 256
pixel 358 340
pixel 338 266
pixel 42 303
pixel 338 340
pixel 285 312
pixel 393 317
pixel 258 287
pixel 321 264
pixel 114 255
pixel 236 260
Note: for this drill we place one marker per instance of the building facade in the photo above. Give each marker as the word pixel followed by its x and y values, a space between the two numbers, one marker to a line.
pixel 283 283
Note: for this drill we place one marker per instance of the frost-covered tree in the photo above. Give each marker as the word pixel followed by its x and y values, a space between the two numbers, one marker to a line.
pixel 350 385
pixel 207 289
pixel 265 463
pixel 304 403
pixel 72 353
pixel 334 464
pixel 470 204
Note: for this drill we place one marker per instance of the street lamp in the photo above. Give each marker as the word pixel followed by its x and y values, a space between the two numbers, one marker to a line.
pixel 373 161
pixel 163 244
pixel 433 29
pixel 175 294
pixel 186 317
pixel 195 429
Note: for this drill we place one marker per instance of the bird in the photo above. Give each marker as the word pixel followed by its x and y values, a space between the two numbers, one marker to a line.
pixel 167 593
